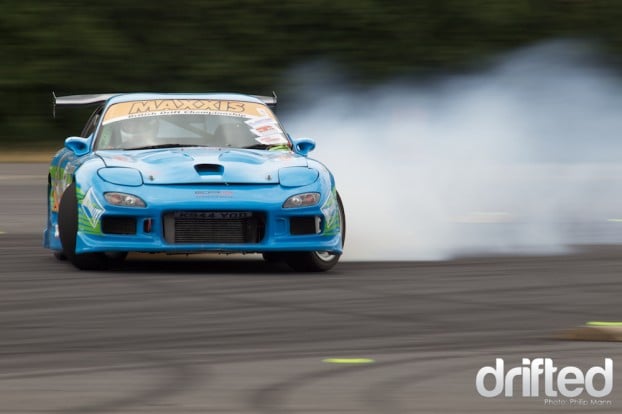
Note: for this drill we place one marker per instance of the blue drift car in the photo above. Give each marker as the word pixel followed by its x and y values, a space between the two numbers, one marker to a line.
pixel 190 173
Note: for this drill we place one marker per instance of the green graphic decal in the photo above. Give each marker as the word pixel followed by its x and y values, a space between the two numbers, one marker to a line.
pixel 331 215
pixel 90 211
pixel 60 181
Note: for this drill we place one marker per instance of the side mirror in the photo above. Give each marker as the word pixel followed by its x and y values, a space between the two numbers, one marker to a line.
pixel 303 146
pixel 77 145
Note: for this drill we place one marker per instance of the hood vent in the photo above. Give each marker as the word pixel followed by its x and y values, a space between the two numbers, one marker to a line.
pixel 209 169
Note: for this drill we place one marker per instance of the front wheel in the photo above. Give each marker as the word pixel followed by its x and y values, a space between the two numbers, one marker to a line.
pixel 312 261
pixel 272 257
pixel 318 261
pixel 68 229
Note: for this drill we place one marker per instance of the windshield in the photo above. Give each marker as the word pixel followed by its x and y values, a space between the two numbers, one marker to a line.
pixel 189 122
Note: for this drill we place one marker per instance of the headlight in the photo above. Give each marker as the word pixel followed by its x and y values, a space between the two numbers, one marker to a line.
pixel 302 200
pixel 124 200
pixel 297 176
pixel 121 176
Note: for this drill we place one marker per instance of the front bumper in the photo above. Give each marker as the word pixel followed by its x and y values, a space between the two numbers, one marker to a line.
pixel 150 229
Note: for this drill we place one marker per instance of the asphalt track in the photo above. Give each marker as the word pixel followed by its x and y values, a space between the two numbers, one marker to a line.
pixel 212 335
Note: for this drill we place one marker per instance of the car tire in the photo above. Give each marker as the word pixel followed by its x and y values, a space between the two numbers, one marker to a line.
pixel 272 257
pixel 68 228
pixel 60 256
pixel 312 261
pixel 115 259
pixel 318 261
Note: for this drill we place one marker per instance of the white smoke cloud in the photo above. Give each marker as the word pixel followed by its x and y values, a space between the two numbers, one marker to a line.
pixel 522 157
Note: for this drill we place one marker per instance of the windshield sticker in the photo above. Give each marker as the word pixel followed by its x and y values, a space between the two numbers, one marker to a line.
pixel 261 121
pixel 266 127
pixel 156 107
pixel 266 130
pixel 272 140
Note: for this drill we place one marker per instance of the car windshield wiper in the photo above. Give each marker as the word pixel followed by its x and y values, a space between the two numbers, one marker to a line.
pixel 163 146
pixel 256 146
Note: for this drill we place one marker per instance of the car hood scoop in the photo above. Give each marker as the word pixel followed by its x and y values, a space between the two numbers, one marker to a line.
pixel 205 165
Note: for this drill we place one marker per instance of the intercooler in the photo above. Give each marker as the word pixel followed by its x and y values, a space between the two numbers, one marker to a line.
pixel 213 227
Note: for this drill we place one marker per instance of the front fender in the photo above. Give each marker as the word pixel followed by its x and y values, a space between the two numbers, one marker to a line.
pixel 64 170
pixel 88 195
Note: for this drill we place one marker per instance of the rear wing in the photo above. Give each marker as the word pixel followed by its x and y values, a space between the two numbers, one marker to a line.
pixel 79 100
pixel 96 99
pixel 268 100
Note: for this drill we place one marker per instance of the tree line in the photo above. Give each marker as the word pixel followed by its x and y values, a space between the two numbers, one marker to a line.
pixel 75 47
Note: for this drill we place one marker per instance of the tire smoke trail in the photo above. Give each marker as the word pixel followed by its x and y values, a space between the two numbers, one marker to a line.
pixel 522 157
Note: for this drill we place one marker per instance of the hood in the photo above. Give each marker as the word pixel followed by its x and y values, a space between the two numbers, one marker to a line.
pixel 205 165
